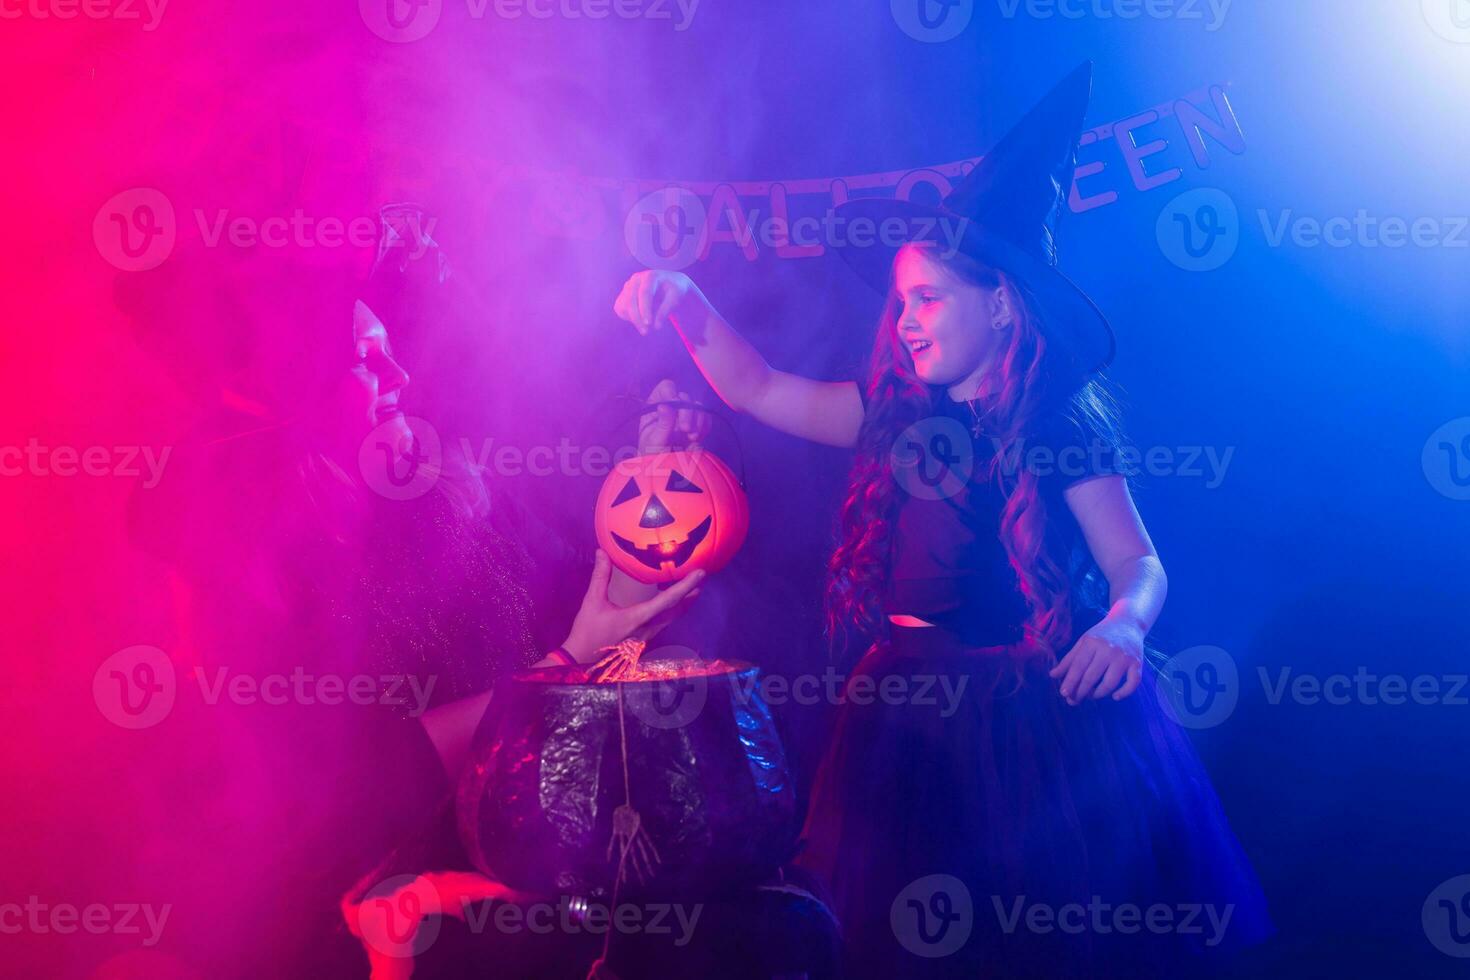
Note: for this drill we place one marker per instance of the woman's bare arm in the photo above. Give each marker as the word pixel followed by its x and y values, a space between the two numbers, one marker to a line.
pixel 600 623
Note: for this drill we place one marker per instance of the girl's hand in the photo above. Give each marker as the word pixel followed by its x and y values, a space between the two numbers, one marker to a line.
pixel 666 427
pixel 1107 659
pixel 601 623
pixel 650 297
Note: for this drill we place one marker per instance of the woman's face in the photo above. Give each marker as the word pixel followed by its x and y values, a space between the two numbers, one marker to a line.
pixel 952 328
pixel 368 396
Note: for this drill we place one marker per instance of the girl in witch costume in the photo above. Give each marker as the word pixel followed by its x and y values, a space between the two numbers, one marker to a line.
pixel 1030 832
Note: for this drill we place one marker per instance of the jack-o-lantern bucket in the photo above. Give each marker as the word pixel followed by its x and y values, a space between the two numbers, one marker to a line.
pixel 661 516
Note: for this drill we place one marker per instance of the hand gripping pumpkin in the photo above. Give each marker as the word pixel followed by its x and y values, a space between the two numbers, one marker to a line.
pixel 661 516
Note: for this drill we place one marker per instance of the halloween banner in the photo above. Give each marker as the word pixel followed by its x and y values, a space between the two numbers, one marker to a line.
pixel 672 224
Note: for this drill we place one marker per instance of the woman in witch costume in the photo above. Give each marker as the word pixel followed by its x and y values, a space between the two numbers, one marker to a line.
pixel 284 562
pixel 1024 834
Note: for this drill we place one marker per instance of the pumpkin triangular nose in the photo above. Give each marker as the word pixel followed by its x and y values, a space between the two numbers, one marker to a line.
pixel 655 514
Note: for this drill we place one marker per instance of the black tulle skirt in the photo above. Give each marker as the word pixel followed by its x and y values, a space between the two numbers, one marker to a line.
pixel 970 823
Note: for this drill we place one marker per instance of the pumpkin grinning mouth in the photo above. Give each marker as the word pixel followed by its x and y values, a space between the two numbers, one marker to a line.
pixel 654 555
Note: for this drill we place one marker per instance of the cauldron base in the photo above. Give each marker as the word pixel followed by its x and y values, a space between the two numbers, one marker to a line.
pixel 690 748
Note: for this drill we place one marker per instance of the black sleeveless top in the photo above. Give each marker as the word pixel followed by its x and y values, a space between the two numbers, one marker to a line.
pixel 949 565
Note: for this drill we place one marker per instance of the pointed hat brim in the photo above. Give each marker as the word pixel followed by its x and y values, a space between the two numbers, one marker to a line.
pixel 982 219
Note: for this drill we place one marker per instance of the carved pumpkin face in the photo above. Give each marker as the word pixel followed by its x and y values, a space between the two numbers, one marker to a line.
pixel 659 517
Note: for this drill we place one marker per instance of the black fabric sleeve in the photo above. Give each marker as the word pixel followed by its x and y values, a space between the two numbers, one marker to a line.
pixel 1068 450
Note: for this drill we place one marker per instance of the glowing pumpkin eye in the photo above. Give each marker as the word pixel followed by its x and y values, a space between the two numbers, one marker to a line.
pixel 679 483
pixel 629 491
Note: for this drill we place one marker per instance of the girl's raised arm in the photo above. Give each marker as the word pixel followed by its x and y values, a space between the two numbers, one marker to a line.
pixel 827 412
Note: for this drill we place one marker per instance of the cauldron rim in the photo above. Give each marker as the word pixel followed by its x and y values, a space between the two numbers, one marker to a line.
pixel 553 678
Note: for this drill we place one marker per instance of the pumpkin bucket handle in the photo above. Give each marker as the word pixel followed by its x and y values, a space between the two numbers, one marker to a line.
pixel 644 408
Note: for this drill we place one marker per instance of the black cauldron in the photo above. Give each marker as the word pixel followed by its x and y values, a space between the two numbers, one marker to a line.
pixel 705 772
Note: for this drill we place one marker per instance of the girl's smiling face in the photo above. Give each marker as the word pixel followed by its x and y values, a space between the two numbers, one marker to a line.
pixel 951 327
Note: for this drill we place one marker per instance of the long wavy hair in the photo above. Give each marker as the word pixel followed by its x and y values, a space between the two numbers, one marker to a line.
pixel 1013 400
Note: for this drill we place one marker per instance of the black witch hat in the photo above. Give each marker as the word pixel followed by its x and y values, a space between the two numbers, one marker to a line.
pixel 1005 214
